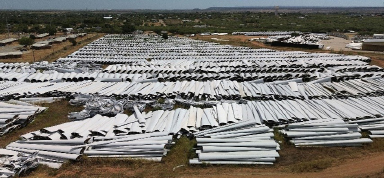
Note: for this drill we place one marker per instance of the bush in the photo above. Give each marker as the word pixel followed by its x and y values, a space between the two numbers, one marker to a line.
pixel 25 41
pixel 128 28
pixel 165 36
pixel 73 41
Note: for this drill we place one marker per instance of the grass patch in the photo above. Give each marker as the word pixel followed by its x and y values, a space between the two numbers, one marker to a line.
pixel 312 166
pixel 181 152
pixel 161 100
pixel 280 137
pixel 376 146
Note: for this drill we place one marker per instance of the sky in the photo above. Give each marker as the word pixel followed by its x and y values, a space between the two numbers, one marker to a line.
pixel 176 4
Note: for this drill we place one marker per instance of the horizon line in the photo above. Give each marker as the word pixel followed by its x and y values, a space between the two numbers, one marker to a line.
pixel 191 9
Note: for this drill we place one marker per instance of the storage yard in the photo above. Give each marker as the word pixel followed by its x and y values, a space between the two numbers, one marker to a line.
pixel 171 107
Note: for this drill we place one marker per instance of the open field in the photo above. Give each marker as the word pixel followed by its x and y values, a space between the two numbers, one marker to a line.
pixel 366 161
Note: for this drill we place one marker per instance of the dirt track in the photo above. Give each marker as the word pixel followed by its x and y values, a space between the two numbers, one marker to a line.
pixel 371 166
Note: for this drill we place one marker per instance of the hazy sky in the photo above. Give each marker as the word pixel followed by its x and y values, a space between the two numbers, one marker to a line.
pixel 175 4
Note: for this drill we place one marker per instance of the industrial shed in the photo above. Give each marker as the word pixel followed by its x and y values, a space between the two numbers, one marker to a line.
pixel 42 45
pixel 373 45
pixel 7 41
pixel 39 36
pixel 10 55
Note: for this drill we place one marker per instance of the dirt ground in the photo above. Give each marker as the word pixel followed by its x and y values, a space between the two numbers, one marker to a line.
pixel 337 162
pixel 371 166
pixel 336 44
pixel 10 48
pixel 55 52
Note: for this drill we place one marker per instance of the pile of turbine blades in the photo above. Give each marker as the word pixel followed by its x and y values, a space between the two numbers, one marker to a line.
pixel 151 146
pixel 238 143
pixel 186 59
pixel 266 33
pixel 227 97
pixel 210 90
pixel 16 115
pixel 38 100
pixel 199 70
pixel 95 137
pixel 374 126
pixel 13 163
pixel 144 48
pixel 270 112
pixel 324 133
pixel 94 105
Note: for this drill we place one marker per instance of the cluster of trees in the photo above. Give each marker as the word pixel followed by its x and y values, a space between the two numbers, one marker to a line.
pixel 248 21
pixel 188 22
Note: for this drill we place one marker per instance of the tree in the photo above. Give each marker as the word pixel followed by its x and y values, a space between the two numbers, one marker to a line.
pixel 51 30
pixel 25 41
pixel 128 28
pixel 165 36
pixel 73 41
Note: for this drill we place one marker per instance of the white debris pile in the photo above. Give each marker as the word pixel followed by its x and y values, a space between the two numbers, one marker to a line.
pixel 13 163
pixel 304 39
pixel 39 100
pixel 96 136
pixel 374 126
pixel 137 49
pixel 211 90
pixel 355 46
pixel 288 111
pixel 95 126
pixel 324 133
pixel 265 33
pixel 51 152
pixel 96 105
pixel 238 143
pixel 191 120
pixel 13 116
pixel 151 146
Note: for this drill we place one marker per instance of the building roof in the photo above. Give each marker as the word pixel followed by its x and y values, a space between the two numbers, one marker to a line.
pixel 9 40
pixel 374 41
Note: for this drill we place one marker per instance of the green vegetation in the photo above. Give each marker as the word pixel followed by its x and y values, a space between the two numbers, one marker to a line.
pixel 165 36
pixel 311 166
pixel 73 41
pixel 128 28
pixel 25 41
pixel 188 22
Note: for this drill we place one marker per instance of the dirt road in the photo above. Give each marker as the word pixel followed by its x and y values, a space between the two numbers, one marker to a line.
pixel 370 166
